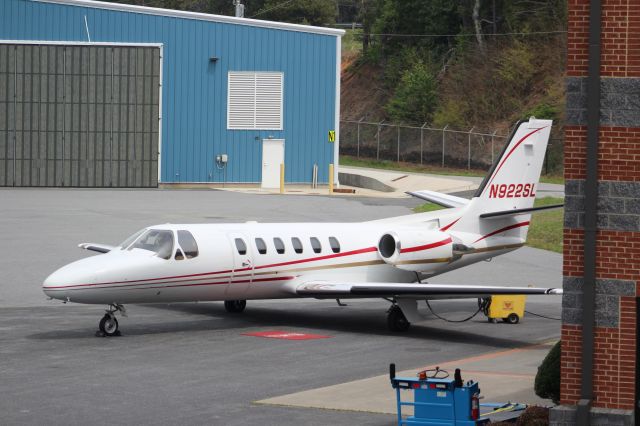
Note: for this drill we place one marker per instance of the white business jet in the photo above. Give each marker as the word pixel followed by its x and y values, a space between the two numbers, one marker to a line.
pixel 387 258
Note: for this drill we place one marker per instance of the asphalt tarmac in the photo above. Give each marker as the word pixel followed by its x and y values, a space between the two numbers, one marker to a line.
pixel 192 363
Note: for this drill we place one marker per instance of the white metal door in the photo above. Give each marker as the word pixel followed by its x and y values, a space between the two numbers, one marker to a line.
pixel 272 157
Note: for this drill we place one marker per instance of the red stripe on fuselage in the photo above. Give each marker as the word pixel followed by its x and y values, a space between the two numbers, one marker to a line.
pixel 160 286
pixel 147 280
pixel 155 280
pixel 232 282
pixel 506 228
pixel 426 246
pixel 444 228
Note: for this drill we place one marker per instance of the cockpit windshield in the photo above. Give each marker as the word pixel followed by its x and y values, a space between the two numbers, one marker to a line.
pixel 155 240
pixel 126 243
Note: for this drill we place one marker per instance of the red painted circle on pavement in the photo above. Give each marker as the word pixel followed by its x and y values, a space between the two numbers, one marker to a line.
pixel 286 335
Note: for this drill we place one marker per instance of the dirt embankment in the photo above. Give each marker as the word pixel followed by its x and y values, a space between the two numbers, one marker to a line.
pixel 490 92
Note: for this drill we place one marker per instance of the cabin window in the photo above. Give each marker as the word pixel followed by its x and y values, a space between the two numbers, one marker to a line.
pixel 187 244
pixel 315 245
pixel 279 245
pixel 261 246
pixel 156 240
pixel 297 244
pixel 241 246
pixel 335 244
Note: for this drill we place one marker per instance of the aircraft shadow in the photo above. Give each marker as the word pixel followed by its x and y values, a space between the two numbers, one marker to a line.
pixel 351 321
pixel 322 320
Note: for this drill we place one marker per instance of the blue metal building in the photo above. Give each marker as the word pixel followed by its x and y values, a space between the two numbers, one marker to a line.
pixel 209 91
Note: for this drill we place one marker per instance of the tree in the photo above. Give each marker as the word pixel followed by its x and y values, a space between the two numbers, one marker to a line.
pixel 418 17
pixel 312 12
pixel 367 12
pixel 415 97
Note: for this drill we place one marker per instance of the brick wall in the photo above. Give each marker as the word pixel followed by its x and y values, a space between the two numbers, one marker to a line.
pixel 620 38
pixel 618 153
pixel 618 234
pixel 614 361
pixel 618 254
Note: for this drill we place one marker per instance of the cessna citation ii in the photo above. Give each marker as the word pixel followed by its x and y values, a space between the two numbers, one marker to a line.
pixel 387 258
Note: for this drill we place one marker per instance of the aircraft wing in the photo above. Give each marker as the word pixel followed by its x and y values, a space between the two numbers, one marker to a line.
pixel 100 248
pixel 331 290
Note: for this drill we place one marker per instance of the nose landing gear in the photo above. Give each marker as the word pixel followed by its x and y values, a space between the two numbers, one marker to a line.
pixel 108 326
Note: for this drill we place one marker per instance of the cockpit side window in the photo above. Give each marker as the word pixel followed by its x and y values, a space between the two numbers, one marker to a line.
pixel 188 244
pixel 156 240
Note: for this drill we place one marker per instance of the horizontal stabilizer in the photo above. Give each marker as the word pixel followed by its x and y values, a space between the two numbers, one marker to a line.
pixel 439 198
pixel 515 212
pixel 100 248
pixel 330 290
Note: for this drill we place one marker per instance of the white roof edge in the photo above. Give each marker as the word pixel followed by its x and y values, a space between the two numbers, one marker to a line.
pixel 79 43
pixel 199 16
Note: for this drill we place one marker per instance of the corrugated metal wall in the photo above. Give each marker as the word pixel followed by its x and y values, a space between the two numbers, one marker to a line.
pixel 83 116
pixel 194 128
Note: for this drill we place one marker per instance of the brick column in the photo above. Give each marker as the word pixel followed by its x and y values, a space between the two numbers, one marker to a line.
pixel 618 236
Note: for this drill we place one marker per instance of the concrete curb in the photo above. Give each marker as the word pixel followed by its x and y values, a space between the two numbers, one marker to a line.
pixel 361 181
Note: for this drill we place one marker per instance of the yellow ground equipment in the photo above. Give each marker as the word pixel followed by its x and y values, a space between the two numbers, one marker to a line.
pixel 509 308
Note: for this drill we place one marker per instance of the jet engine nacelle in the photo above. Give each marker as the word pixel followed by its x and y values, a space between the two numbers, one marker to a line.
pixel 413 249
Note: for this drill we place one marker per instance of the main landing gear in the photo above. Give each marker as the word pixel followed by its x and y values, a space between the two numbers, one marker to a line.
pixel 235 306
pixel 108 326
pixel 396 321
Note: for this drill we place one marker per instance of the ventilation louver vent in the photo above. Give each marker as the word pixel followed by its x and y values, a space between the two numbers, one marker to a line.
pixel 255 101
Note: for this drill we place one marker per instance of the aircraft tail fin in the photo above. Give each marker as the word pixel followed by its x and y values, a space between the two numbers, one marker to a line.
pixel 512 182
pixel 504 200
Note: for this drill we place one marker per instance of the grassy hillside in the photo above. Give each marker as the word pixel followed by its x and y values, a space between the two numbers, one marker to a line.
pixel 489 91
pixel 490 67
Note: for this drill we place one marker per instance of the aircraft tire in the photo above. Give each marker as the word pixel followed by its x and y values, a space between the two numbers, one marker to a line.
pixel 109 325
pixel 396 321
pixel 235 306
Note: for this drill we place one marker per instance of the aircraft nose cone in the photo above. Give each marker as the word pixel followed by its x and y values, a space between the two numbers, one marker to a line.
pixel 58 285
pixel 53 285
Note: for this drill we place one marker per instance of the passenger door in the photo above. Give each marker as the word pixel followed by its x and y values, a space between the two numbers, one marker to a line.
pixel 242 274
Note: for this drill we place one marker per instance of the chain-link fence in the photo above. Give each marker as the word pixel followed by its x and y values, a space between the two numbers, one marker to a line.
pixel 445 147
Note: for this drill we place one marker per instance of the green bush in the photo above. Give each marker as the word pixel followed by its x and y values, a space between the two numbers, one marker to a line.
pixel 544 111
pixel 547 383
pixel 451 113
pixel 516 68
pixel 415 98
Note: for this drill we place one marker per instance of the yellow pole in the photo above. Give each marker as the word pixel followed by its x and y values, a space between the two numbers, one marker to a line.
pixel 330 178
pixel 282 178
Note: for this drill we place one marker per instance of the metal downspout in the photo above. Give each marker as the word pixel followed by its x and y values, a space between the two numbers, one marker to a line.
pixel 591 213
